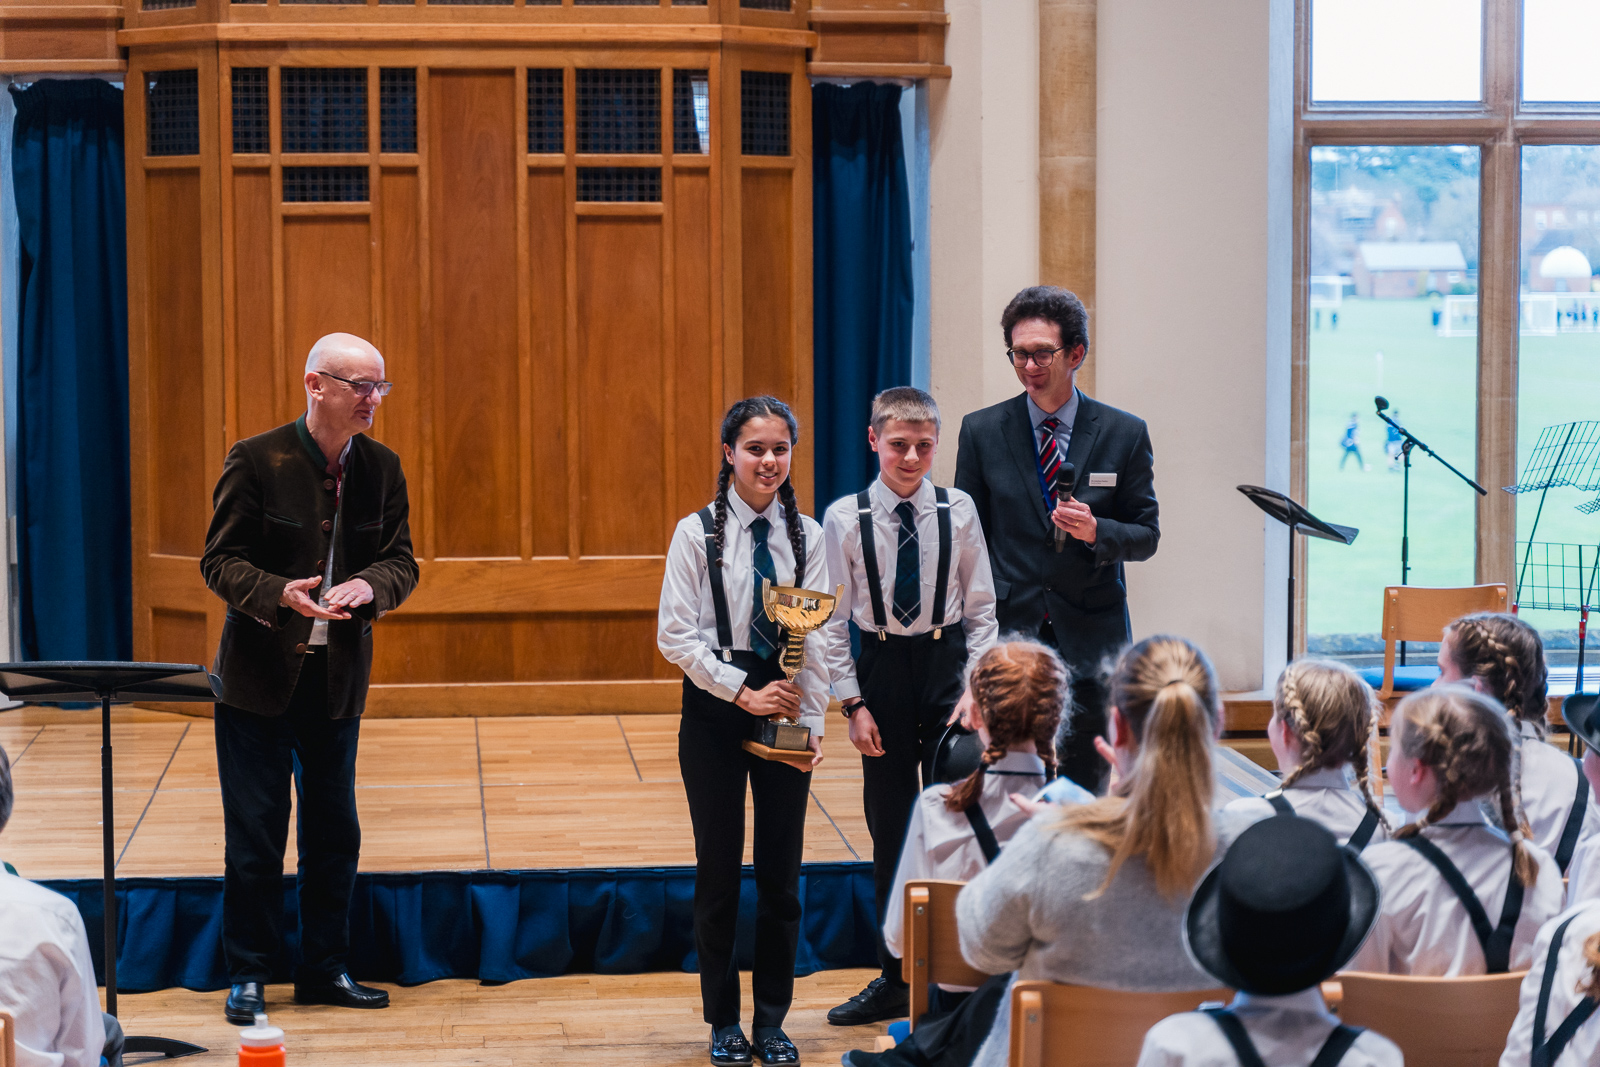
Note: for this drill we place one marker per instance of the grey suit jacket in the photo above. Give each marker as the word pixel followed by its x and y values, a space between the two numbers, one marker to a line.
pixel 1081 589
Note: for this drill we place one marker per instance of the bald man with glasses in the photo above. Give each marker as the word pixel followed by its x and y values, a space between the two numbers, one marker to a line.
pixel 309 545
pixel 1058 540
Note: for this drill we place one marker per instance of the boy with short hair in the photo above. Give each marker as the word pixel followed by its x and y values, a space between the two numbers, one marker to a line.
pixel 917 583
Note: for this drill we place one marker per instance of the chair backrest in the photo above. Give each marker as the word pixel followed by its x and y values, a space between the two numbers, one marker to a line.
pixel 8 1040
pixel 930 943
pixel 1459 1022
pixel 1080 1026
pixel 1420 613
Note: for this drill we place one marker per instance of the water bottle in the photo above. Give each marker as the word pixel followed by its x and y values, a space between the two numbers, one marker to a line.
pixel 261 1045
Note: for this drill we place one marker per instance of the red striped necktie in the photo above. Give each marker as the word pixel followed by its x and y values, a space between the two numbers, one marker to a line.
pixel 1050 456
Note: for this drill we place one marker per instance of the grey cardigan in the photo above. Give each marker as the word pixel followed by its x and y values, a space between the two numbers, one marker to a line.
pixel 1027 913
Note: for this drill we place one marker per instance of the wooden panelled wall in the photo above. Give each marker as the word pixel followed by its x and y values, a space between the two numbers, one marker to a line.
pixel 560 364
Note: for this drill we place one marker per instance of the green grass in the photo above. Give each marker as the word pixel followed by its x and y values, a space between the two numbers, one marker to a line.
pixel 1431 381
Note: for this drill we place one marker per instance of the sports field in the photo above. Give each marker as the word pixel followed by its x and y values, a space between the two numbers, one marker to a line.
pixel 1390 348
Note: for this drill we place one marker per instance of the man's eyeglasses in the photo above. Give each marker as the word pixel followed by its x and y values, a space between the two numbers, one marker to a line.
pixel 1041 358
pixel 364 389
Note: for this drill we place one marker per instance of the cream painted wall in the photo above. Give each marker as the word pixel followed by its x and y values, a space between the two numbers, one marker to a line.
pixel 983 202
pixel 1193 236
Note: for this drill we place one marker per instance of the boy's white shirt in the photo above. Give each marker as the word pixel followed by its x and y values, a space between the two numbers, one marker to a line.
pixel 1422 927
pixel 969 597
pixel 1287 1031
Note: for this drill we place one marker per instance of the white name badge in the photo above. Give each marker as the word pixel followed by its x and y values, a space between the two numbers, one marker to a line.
pixel 1103 479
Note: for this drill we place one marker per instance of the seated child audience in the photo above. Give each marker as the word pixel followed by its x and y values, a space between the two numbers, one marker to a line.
pixel 1583 874
pixel 47 981
pixel 1322 718
pixel 1094 893
pixel 1555 1015
pixel 1016 693
pixel 1459 895
pixel 1284 910
pixel 1502 656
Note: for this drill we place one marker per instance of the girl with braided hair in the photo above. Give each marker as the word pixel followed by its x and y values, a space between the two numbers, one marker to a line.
pixel 1460 896
pixel 1501 655
pixel 1322 720
pixel 712 626
pixel 1095 893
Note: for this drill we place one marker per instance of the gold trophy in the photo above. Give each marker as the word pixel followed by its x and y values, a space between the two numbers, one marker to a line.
pixel 798 612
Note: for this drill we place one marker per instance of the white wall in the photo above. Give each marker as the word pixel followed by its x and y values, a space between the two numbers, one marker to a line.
pixel 1194 236
pixel 983 202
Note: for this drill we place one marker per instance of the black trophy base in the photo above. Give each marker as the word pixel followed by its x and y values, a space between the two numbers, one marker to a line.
pixel 781 735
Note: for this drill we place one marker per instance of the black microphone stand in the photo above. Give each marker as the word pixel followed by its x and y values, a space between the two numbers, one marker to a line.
pixel 1408 441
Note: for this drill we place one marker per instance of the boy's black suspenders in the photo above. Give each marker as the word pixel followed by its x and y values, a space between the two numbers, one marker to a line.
pixel 1547 1052
pixel 869 560
pixel 1332 1050
pixel 719 595
pixel 1358 840
pixel 1496 942
pixel 1574 824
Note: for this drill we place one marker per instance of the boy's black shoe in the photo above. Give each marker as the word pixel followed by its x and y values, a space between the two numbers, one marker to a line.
pixel 245 999
pixel 774 1047
pixel 879 1000
pixel 729 1048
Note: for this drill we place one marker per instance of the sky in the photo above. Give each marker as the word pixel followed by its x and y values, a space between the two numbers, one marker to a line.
pixel 1431 50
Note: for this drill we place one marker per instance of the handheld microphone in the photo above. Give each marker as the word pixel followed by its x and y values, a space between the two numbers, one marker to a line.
pixel 1065 477
pixel 1383 404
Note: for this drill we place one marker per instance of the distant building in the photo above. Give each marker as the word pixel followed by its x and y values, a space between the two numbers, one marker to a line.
pixel 1556 266
pixel 1398 270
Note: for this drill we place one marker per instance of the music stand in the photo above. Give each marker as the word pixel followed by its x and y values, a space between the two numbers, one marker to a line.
pixel 108 682
pixel 1299 520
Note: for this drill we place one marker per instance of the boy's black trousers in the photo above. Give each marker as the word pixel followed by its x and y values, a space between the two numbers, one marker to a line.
pixel 910 685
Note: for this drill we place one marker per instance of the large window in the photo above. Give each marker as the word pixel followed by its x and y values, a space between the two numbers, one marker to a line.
pixel 1416 122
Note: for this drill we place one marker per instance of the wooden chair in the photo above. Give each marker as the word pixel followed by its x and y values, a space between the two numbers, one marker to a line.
pixel 8 1040
pixel 931 946
pixel 1419 613
pixel 1437 1022
pixel 1080 1026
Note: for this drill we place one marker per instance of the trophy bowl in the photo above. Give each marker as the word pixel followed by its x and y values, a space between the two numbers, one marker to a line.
pixel 797 612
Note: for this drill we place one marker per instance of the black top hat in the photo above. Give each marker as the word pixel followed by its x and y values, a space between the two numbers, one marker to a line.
pixel 1286 908
pixel 1582 714
pixel 959 753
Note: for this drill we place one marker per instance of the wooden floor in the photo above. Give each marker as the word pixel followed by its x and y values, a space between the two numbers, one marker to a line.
pixel 589 1019
pixel 434 794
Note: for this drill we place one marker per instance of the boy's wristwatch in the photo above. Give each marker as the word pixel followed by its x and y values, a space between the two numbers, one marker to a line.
pixel 848 708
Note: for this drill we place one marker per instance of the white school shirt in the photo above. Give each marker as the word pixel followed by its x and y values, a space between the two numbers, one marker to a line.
pixel 1549 786
pixel 1326 796
pixel 46 977
pixel 686 622
pixel 1584 1048
pixel 1287 1031
pixel 969 597
pixel 940 842
pixel 1422 927
pixel 1583 873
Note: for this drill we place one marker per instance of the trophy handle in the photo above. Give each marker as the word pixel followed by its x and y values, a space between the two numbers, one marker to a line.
pixel 767 599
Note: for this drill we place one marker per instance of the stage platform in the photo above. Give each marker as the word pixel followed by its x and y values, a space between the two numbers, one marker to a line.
pixel 452 794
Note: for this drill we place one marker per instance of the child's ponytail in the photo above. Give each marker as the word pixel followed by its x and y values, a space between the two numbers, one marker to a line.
pixel 1333 714
pixel 1166 692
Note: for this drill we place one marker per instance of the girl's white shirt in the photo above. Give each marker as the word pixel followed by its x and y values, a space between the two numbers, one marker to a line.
pixel 1422 927
pixel 1327 796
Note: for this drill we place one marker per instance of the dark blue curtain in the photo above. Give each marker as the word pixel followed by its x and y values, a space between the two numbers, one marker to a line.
pixel 862 265
pixel 75 561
